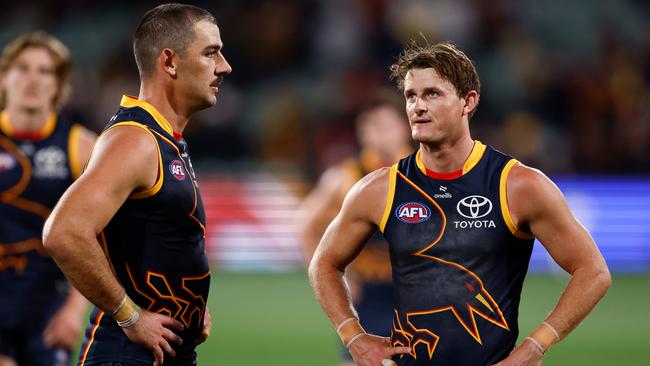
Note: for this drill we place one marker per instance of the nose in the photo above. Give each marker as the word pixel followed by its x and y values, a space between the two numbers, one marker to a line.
pixel 419 106
pixel 223 67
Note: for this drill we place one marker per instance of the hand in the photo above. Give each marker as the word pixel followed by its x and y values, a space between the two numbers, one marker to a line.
pixel 526 354
pixel 155 332
pixel 207 326
pixel 64 329
pixel 372 350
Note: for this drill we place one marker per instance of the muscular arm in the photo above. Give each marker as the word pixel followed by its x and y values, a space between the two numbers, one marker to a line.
pixel 537 204
pixel 124 160
pixel 342 242
pixel 319 209
pixel 65 326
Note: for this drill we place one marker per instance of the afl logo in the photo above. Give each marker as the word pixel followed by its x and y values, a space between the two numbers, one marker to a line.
pixel 413 213
pixel 176 168
pixel 474 207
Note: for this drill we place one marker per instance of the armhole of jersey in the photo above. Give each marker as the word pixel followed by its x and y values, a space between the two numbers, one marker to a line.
pixel 503 198
pixel 392 177
pixel 159 180
pixel 73 152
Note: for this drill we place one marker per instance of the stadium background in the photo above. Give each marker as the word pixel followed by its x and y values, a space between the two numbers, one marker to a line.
pixel 565 89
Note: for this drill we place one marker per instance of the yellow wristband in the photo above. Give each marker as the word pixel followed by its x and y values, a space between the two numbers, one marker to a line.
pixel 124 310
pixel 349 330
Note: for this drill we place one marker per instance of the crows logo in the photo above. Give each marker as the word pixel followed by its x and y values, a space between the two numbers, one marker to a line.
pixel 465 296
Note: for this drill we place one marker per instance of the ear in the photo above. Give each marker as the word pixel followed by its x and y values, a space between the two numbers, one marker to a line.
pixel 168 59
pixel 471 101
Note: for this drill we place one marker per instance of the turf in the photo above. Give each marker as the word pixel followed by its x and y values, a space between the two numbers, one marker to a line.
pixel 273 319
pixel 263 319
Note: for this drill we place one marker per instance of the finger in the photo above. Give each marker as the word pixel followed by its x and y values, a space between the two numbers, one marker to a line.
pixel 172 323
pixel 393 351
pixel 172 337
pixel 158 356
pixel 167 348
pixel 387 362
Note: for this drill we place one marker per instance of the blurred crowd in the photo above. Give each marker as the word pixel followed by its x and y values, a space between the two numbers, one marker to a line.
pixel 565 83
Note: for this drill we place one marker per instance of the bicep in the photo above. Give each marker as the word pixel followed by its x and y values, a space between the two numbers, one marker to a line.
pixel 550 219
pixel 122 162
pixel 358 219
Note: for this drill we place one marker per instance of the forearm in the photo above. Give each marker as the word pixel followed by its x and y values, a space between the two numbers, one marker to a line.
pixel 586 287
pixel 83 262
pixel 331 291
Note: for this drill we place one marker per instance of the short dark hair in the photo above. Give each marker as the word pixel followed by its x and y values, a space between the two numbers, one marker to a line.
pixel 165 26
pixel 449 61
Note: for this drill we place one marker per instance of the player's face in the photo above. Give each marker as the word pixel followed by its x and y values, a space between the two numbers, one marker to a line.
pixel 383 129
pixel 433 107
pixel 31 81
pixel 203 66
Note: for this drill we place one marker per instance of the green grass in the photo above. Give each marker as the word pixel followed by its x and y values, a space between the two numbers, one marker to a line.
pixel 273 319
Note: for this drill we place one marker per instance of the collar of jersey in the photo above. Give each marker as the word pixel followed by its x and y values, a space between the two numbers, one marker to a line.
pixel 40 134
pixel 130 102
pixel 474 157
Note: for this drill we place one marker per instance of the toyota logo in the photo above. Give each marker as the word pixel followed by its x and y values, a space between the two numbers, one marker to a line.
pixel 474 207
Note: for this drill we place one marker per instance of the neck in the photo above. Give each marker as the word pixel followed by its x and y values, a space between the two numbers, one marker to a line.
pixel 164 102
pixel 448 156
pixel 24 119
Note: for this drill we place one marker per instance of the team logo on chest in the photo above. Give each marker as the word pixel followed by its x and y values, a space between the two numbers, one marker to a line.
pixel 50 163
pixel 413 212
pixel 176 168
pixel 474 208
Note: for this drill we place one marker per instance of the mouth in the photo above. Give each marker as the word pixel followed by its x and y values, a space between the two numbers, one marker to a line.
pixel 421 120
pixel 215 84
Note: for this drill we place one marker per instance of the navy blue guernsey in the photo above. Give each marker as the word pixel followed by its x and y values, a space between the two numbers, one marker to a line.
pixel 35 169
pixel 155 244
pixel 458 261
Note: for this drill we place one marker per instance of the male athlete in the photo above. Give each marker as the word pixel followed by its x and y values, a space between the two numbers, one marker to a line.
pixel 460 218
pixel 130 232
pixel 384 138
pixel 41 153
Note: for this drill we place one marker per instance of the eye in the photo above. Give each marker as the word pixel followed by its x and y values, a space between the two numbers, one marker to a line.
pixel 432 94
pixel 410 97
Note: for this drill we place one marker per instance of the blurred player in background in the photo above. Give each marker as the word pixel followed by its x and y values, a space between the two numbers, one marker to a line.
pixel 383 135
pixel 130 233
pixel 41 154
pixel 460 219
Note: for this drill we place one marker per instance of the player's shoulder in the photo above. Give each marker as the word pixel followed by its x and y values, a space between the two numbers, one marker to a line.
pixel 530 192
pixel 372 186
pixel 525 181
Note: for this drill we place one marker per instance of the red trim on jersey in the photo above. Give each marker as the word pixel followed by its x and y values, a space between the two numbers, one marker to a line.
pixel 445 176
pixel 27 135
pixel 178 136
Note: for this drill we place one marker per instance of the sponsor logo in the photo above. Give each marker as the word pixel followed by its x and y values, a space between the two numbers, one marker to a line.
pixel 176 168
pixel 474 207
pixel 413 213
pixel 6 162
pixel 443 189
pixel 50 163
